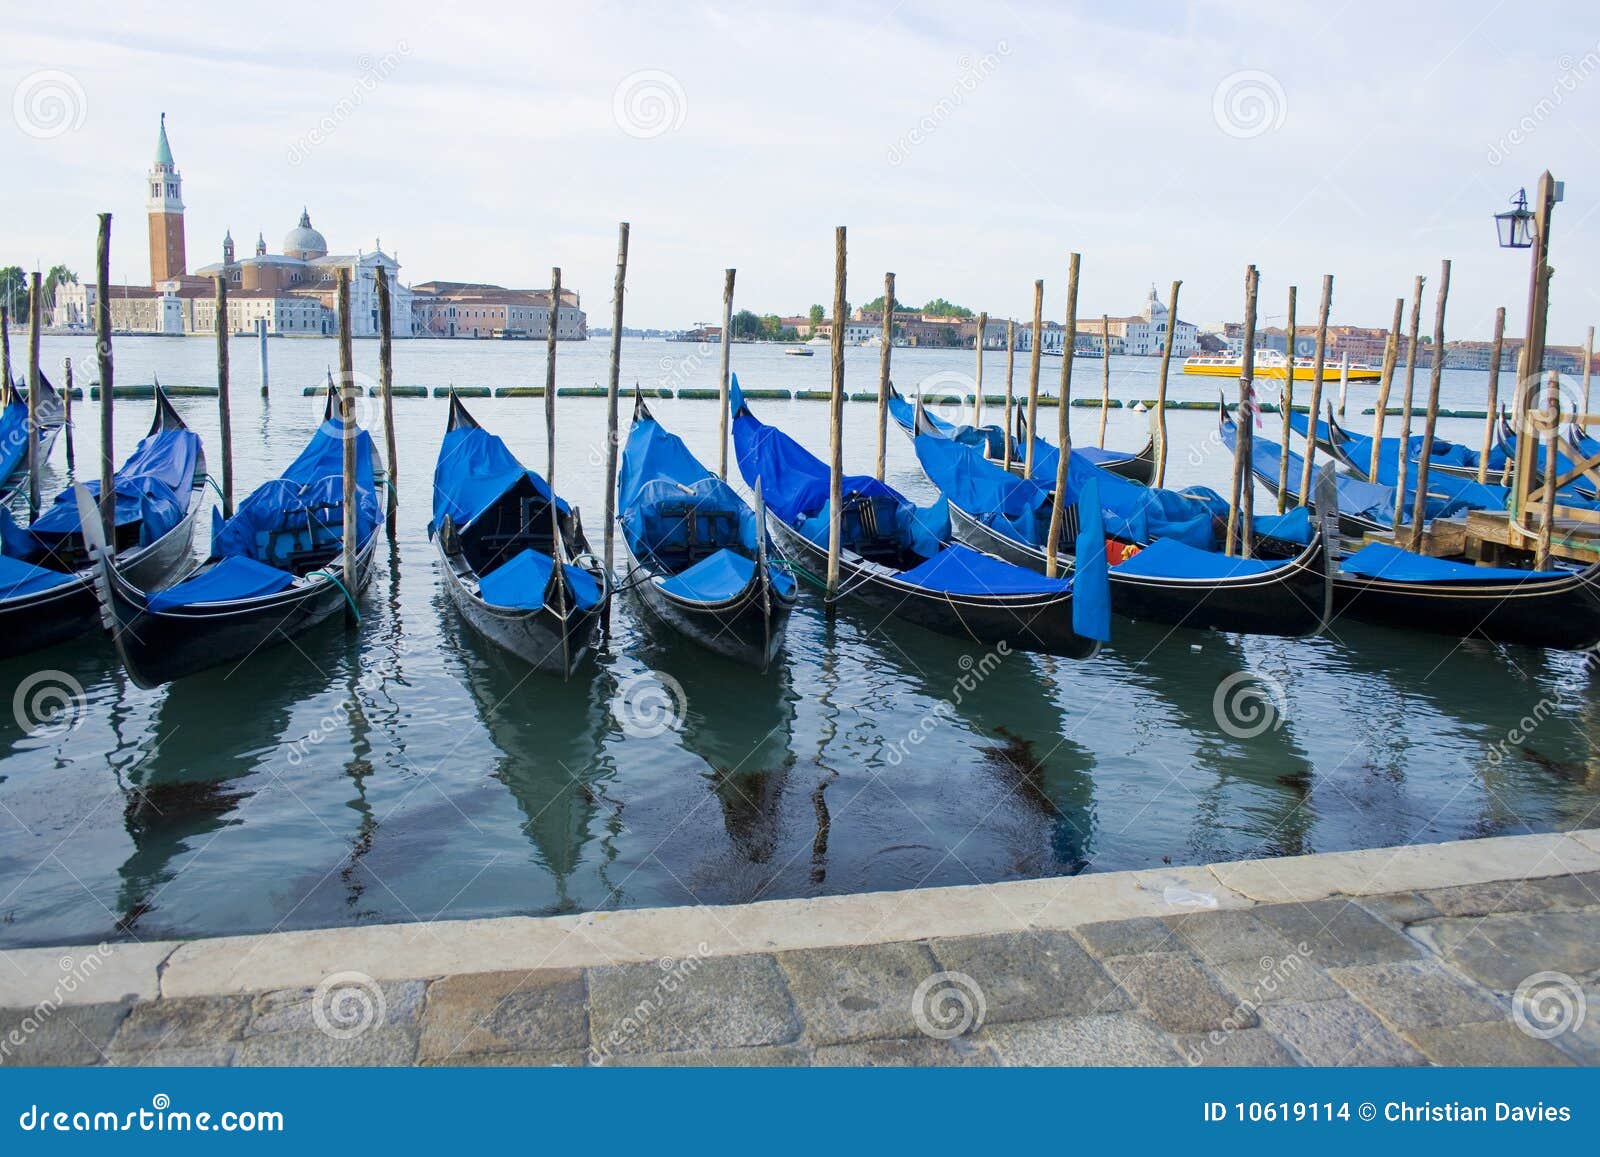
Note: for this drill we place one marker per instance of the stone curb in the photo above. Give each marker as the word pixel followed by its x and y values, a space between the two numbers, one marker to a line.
pixel 254 963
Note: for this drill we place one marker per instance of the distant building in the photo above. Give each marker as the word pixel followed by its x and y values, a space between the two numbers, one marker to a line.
pixel 456 309
pixel 1145 334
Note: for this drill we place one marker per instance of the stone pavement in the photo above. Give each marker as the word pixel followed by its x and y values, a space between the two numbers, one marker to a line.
pixel 1314 962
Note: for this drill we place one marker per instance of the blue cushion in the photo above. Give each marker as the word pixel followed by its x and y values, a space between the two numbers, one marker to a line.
pixel 235 577
pixel 1169 558
pixel 1381 561
pixel 520 583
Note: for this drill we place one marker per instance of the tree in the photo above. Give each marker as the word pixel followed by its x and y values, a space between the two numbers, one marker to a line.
pixel 746 324
pixel 876 304
pixel 58 275
pixel 939 307
pixel 817 314
pixel 14 292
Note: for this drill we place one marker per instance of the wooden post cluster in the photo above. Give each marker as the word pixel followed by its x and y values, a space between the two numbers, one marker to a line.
pixel 1402 456
pixel 1161 386
pixel 884 384
pixel 1286 403
pixel 1033 377
pixel 347 431
pixel 613 379
pixel 1391 353
pixel 1532 367
pixel 722 382
pixel 1063 423
pixel 836 417
pixel 1317 372
pixel 386 388
pixel 102 329
pixel 1552 410
pixel 224 413
pixel 1492 400
pixel 1420 509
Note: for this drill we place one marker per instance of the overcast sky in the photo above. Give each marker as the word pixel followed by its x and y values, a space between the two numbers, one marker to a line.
pixel 967 147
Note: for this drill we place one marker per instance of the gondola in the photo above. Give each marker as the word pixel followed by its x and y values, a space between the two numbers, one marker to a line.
pixel 47 577
pixel 1136 467
pixel 1169 569
pixel 495 526
pixel 14 433
pixel 697 552
pixel 899 558
pixel 1383 584
pixel 276 569
pixel 1354 452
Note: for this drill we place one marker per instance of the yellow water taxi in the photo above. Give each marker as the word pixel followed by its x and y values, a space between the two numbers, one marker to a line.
pixel 1271 364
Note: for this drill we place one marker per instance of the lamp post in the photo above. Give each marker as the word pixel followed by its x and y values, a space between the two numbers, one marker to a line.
pixel 1522 228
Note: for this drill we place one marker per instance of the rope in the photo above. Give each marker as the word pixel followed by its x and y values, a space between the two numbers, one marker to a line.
pixel 336 581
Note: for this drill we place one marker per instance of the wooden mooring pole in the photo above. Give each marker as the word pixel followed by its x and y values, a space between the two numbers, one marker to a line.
pixel 1419 509
pixel 386 388
pixel 977 395
pixel 613 379
pixel 1552 406
pixel 1286 403
pixel 1011 358
pixel 35 293
pixel 66 415
pixel 7 386
pixel 1588 367
pixel 1161 388
pixel 1391 353
pixel 1069 341
pixel 261 352
pixel 883 372
pixel 1105 375
pixel 1241 505
pixel 347 431
pixel 1318 369
pixel 1033 377
pixel 1402 456
pixel 102 327
pixel 224 414
pixel 1492 399
pixel 836 417
pixel 1344 382
pixel 722 378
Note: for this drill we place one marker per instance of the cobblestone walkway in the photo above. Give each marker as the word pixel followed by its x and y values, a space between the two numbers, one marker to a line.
pixel 1405 978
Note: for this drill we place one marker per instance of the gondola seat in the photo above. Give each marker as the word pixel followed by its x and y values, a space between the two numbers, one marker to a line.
pixel 720 577
pixel 1169 558
pixel 522 582
pixel 1379 560
pixel 233 578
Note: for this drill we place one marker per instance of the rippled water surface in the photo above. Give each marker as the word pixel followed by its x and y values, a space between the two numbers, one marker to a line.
pixel 402 770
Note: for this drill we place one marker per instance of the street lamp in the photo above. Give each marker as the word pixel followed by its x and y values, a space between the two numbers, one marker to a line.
pixel 1515 225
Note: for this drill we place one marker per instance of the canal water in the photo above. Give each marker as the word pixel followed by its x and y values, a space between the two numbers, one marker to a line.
pixel 403 771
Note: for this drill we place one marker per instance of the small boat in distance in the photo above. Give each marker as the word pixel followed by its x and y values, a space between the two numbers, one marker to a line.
pixel 800 351
pixel 1272 364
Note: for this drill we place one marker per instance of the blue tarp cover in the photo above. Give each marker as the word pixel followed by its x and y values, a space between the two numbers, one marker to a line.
pixel 232 578
pixel 13 438
pixel 1291 526
pixel 19 578
pixel 303 509
pixel 1091 600
pixel 1358 448
pixel 521 582
pixel 720 577
pixel 662 489
pixel 1172 559
pixel 959 570
pixel 474 469
pixel 1382 561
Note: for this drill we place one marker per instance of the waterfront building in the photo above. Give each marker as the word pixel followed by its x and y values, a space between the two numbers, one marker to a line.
pixel 458 309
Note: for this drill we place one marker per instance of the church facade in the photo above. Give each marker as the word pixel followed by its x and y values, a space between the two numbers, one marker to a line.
pixel 295 291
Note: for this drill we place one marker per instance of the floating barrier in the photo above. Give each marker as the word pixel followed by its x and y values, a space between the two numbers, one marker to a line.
pixel 519 392
pixel 398 391
pixel 463 391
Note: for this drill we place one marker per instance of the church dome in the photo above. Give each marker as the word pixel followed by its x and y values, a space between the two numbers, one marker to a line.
pixel 303 241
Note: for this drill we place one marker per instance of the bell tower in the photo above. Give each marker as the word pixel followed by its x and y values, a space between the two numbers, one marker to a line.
pixel 165 208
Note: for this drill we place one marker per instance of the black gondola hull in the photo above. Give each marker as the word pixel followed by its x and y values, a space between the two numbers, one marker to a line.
pixel 158 647
pixel 1024 623
pixel 1287 601
pixel 1563 614
pixel 550 643
pixel 748 628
